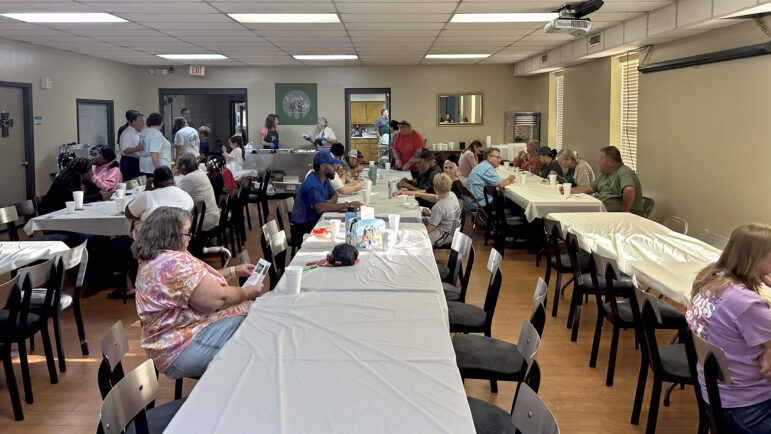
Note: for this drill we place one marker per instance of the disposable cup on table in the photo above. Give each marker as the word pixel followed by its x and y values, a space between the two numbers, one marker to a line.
pixel 365 193
pixel 523 177
pixel 70 205
pixel 77 197
pixel 120 193
pixel 120 204
pixel 404 199
pixel 388 166
pixel 294 276
pixel 121 186
pixel 566 189
pixel 371 164
pixel 393 222
pixel 389 239
pixel 552 179
pixel 335 226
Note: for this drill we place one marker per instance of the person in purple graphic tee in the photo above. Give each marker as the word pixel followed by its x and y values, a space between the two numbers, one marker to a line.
pixel 728 310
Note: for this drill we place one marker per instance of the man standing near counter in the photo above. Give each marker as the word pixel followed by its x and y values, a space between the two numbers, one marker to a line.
pixel 406 144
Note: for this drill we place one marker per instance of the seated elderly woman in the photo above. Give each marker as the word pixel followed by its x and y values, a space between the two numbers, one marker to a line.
pixel 728 310
pixel 443 217
pixel 187 309
pixel 195 183
pixel 105 169
pixel 160 191
pixel 577 170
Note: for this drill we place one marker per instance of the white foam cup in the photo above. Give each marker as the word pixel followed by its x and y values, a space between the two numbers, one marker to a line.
pixel 294 275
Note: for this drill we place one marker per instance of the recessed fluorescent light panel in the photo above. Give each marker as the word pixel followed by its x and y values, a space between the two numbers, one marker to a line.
pixel 285 18
pixel 456 56
pixel 762 9
pixel 193 56
pixel 504 18
pixel 326 57
pixel 65 17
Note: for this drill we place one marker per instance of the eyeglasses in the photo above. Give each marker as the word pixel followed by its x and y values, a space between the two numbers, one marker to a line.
pixel 187 234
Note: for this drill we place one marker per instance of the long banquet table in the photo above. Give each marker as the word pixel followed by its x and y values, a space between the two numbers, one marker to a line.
pixel 96 218
pixel 665 260
pixel 539 199
pixel 364 348
pixel 379 199
pixel 15 254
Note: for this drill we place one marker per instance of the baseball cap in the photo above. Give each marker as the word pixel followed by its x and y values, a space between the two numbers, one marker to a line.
pixel 424 154
pixel 322 157
pixel 355 154
pixel 543 150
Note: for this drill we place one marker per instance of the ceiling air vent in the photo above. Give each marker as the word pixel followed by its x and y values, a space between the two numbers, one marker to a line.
pixel 595 40
pixel 545 58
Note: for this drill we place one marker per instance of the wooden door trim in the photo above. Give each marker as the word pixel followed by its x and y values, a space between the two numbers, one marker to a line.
pixel 29 134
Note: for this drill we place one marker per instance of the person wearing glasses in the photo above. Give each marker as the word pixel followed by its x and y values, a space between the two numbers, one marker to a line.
pixel 484 174
pixel 188 310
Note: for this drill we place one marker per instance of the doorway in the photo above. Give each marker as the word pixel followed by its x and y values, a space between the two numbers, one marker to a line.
pixel 362 108
pixel 223 111
pixel 17 170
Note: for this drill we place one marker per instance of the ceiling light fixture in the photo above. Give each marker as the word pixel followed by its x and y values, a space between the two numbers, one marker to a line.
pixel 193 56
pixel 757 10
pixel 65 17
pixel 285 18
pixel 325 56
pixel 504 18
pixel 456 56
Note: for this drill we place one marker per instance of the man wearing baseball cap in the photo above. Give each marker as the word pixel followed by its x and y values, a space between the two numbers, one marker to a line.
pixel 316 196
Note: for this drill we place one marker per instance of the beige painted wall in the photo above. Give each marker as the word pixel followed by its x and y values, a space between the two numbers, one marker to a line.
pixel 705 134
pixel 74 76
pixel 413 94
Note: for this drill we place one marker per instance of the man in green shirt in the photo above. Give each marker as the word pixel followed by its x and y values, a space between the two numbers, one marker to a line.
pixel 617 186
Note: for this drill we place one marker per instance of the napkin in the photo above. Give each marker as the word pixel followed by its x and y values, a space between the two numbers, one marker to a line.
pixel 367 213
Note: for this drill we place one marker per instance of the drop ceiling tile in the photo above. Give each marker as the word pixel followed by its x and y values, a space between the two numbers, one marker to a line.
pixel 160 7
pixel 181 26
pixel 470 7
pixel 281 7
pixel 395 27
pixel 391 34
pixel 634 6
pixel 209 33
pixel 61 6
pixel 491 33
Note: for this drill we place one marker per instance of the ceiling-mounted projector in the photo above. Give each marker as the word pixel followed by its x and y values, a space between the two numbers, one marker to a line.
pixel 571 19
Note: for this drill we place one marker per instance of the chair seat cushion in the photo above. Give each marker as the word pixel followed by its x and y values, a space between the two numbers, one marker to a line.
pixel 159 417
pixel 619 285
pixel 670 317
pixel 33 325
pixel 489 418
pixel 583 262
pixel 481 354
pixel 451 292
pixel 39 297
pixel 444 271
pixel 465 315
pixel 674 360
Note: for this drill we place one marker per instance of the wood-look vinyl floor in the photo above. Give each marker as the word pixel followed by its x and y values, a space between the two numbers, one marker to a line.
pixel 575 393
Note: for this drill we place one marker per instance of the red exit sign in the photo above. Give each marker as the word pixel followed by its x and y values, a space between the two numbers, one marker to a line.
pixel 197 70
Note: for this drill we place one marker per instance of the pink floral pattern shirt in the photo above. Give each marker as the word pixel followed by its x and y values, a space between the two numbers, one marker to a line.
pixel 163 288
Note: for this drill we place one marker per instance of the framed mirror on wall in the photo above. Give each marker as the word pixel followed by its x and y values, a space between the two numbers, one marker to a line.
pixel 460 109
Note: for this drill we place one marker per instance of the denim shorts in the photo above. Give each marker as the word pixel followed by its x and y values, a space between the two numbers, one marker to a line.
pixel 749 420
pixel 192 362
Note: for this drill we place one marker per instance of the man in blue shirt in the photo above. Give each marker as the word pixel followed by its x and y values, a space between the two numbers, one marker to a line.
pixel 484 174
pixel 316 196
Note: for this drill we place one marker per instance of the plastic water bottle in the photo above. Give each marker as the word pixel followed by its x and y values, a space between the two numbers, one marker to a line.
pixel 373 174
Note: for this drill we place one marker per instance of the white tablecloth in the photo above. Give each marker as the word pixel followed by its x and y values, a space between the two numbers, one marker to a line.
pixel 96 218
pixel 15 254
pixel 379 199
pixel 539 199
pixel 665 260
pixel 333 362
pixel 409 267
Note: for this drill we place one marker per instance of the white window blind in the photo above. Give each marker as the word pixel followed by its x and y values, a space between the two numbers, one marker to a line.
pixel 560 92
pixel 93 125
pixel 629 76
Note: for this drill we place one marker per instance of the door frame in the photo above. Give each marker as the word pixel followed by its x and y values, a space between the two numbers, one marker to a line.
pixel 110 117
pixel 360 90
pixel 29 135
pixel 165 92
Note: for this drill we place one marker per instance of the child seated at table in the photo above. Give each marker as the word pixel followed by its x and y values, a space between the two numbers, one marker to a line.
pixel 444 216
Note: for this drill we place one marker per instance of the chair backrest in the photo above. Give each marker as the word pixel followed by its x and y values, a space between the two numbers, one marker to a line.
pixel 194 220
pixel 114 346
pixel 648 204
pixel 265 181
pixel 530 415
pixel 494 288
pixel 9 300
pixel 528 343
pixel 538 315
pixel 490 193
pixel 76 257
pixel 198 230
pixel 6 289
pixel 284 208
pixel 608 268
pixel 8 216
pixel 48 275
pixel 649 316
pixel 278 249
pixel 715 240
pixel 571 241
pixel 713 361
pixel 465 247
pixel 554 237
pixel 26 209
pixel 270 228
pixel 676 224
pixel 127 400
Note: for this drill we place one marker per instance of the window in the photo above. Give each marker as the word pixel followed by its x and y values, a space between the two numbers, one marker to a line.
pixel 629 76
pixel 95 122
pixel 560 92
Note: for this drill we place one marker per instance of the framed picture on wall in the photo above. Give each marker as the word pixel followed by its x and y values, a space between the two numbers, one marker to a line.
pixel 296 103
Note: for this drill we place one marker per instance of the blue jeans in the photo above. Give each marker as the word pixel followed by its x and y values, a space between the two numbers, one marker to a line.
pixel 749 420
pixel 193 361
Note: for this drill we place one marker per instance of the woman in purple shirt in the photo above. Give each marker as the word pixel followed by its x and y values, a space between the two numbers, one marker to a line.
pixel 727 310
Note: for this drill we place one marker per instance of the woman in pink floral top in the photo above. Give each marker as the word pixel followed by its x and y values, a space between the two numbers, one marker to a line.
pixel 186 308
pixel 105 171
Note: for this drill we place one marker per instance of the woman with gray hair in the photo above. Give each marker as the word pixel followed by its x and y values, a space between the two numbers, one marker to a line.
pixel 323 133
pixel 577 171
pixel 186 308
pixel 195 183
